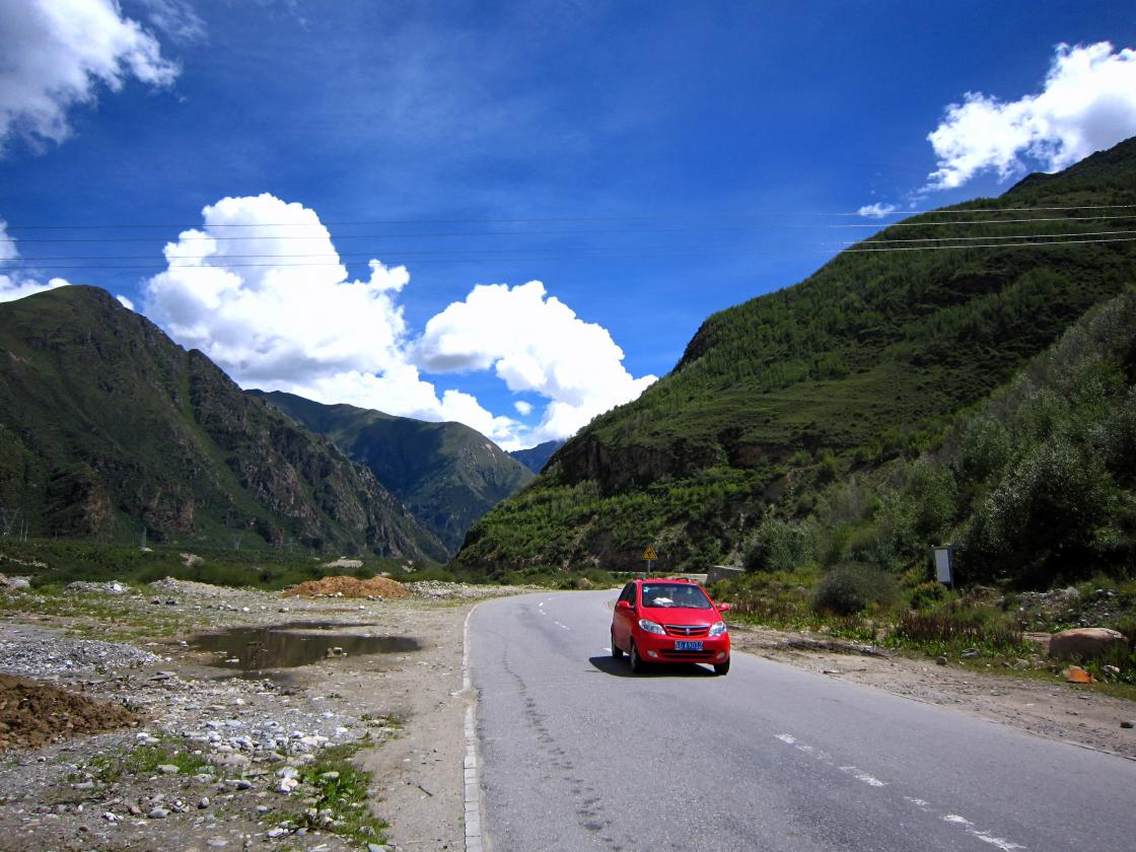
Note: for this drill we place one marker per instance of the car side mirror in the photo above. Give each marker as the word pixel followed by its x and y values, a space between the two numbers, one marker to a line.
pixel 724 607
pixel 623 605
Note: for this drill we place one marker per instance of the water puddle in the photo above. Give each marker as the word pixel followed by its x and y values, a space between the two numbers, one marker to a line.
pixel 296 643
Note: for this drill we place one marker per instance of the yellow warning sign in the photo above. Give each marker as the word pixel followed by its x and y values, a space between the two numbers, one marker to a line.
pixel 649 553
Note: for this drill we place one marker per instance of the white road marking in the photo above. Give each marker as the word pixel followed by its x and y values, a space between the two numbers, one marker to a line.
pixel 863 776
pixel 952 818
pixel 471 765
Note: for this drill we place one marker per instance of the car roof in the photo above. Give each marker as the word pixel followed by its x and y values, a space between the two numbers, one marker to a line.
pixel 684 580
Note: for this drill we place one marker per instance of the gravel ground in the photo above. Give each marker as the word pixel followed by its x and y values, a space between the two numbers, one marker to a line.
pixel 222 759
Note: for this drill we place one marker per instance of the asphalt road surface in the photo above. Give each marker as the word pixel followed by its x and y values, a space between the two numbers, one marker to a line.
pixel 578 754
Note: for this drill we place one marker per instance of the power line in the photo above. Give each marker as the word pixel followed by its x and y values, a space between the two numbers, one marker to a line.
pixel 488 234
pixel 336 257
pixel 862 248
pixel 991 245
pixel 874 241
pixel 540 219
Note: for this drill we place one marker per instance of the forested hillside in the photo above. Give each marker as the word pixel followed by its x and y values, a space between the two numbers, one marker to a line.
pixel 447 474
pixel 110 431
pixel 866 362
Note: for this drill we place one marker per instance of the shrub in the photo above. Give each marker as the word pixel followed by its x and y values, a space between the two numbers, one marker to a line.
pixel 853 587
pixel 952 627
pixel 778 545
pixel 927 595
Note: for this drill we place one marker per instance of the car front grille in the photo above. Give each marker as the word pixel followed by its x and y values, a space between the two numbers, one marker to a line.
pixel 686 629
pixel 688 656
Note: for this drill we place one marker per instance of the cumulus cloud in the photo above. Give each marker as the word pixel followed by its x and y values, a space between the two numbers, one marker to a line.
pixel 523 408
pixel 1088 103
pixel 13 285
pixel 533 342
pixel 301 324
pixel 260 288
pixel 125 302
pixel 877 210
pixel 57 54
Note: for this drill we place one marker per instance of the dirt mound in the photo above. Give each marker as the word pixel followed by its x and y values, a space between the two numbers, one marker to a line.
pixel 32 714
pixel 349 587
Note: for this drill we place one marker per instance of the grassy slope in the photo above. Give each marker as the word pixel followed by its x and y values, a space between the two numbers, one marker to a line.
pixel 110 428
pixel 447 474
pixel 862 362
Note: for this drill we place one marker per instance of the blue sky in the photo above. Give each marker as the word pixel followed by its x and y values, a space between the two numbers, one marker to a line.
pixel 650 163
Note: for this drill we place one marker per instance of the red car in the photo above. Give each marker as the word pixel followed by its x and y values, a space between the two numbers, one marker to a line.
pixel 669 621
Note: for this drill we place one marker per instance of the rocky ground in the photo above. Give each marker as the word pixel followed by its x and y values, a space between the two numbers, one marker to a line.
pixel 360 748
pixel 188 716
pixel 1038 702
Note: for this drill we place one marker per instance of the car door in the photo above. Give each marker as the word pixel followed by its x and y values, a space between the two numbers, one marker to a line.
pixel 621 619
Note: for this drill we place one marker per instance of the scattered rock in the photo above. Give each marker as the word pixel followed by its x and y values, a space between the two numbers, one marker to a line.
pixel 167 769
pixel 1084 643
pixel 940 661
pixel 1127 723
pixel 158 813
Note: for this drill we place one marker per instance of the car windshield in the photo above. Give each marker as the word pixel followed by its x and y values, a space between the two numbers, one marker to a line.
pixel 674 595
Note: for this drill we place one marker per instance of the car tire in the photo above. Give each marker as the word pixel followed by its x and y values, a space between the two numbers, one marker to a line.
pixel 721 668
pixel 616 651
pixel 634 660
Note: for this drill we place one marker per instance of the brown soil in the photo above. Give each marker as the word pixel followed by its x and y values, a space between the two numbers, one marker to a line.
pixel 34 714
pixel 349 587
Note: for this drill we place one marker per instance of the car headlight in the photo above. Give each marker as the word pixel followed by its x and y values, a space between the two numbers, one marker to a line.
pixel 648 626
pixel 718 628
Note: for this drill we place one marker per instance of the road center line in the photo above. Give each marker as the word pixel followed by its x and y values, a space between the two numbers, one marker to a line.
pixel 921 804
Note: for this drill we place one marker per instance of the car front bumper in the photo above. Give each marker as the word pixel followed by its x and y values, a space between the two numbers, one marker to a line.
pixel 654 648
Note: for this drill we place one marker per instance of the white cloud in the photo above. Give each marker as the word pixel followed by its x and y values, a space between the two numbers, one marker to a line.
pixel 877 210
pixel 1088 103
pixel 523 408
pixel 12 285
pixel 301 325
pixel 8 251
pixel 176 18
pixel 125 302
pixel 536 344
pixel 56 54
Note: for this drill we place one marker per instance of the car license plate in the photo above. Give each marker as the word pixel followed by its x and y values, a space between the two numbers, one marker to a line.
pixel 688 645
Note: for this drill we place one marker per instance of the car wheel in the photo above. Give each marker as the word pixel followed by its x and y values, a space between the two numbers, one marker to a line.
pixel 721 668
pixel 616 651
pixel 633 659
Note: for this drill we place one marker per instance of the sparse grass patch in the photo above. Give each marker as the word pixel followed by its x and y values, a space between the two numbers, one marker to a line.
pixel 342 790
pixel 950 630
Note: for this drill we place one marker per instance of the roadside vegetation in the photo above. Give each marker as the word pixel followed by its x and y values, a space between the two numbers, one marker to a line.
pixel 1036 486
pixel 56 562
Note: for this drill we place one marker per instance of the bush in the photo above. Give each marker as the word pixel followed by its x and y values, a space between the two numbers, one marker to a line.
pixel 778 545
pixel 853 587
pixel 927 595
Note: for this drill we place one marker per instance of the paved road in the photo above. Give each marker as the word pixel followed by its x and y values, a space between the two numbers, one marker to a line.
pixel 578 754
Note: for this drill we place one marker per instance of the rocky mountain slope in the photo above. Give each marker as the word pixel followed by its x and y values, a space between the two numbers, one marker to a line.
pixel 535 458
pixel 109 429
pixel 865 361
pixel 447 474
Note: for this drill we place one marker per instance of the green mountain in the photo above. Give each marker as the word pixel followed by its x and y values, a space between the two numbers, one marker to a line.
pixel 447 474
pixel 108 428
pixel 535 458
pixel 864 362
